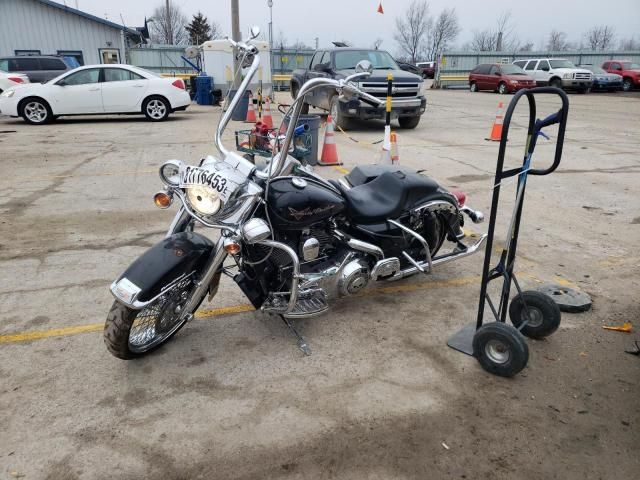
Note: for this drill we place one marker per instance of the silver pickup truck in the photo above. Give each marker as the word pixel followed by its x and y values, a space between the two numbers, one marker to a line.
pixel 408 99
pixel 557 72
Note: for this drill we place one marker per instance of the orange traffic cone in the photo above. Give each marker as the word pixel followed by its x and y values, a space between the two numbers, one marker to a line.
pixel 496 131
pixel 329 151
pixel 251 113
pixel 266 117
pixel 395 156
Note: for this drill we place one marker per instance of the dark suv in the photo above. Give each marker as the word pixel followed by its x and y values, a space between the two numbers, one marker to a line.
pixel 39 68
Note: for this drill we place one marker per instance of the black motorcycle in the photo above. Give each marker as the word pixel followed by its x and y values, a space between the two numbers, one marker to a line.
pixel 291 240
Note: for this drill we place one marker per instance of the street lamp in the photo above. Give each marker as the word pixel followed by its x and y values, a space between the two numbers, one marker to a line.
pixel 270 5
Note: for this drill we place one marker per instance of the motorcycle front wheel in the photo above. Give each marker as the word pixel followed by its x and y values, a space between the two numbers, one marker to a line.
pixel 130 333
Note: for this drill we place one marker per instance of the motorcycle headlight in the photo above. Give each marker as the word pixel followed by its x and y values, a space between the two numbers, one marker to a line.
pixel 204 200
pixel 170 173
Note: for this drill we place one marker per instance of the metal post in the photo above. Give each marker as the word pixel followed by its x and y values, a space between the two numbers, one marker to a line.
pixel 235 34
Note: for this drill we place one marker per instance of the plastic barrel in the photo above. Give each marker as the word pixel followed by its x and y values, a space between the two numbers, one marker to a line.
pixel 240 112
pixel 204 86
pixel 313 121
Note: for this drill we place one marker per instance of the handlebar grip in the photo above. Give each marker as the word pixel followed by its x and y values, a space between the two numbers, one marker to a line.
pixel 370 99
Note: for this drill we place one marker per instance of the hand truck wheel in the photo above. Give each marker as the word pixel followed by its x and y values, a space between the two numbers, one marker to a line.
pixel 542 314
pixel 500 349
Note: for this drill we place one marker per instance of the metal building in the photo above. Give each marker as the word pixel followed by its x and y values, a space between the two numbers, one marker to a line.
pixel 45 27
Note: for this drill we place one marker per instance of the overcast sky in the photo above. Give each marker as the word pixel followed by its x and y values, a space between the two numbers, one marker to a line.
pixel 357 20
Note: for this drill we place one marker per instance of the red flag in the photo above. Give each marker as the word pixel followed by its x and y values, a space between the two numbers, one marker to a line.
pixel 380 9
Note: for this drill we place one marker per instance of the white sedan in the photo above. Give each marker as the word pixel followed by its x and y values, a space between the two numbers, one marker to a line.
pixel 8 80
pixel 97 89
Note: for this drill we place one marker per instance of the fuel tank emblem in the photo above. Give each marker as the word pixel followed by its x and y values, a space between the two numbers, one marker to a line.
pixel 307 212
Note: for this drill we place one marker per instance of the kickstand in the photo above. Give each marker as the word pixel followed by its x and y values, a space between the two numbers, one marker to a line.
pixel 302 343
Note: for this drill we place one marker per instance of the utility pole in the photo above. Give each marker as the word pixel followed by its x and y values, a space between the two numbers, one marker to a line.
pixel 169 26
pixel 316 39
pixel 235 34
pixel 270 5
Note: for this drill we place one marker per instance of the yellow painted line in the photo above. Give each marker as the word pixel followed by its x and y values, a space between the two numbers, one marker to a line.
pixel 341 169
pixel 216 312
pixel 224 311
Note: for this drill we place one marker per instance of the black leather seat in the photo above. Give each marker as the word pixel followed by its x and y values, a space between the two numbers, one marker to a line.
pixel 388 195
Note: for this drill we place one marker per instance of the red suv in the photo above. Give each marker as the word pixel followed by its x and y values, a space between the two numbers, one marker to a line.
pixel 629 71
pixel 500 78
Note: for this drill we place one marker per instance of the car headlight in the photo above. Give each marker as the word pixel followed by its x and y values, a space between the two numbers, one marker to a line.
pixel 8 94
pixel 513 82
pixel 567 76
pixel 204 200
pixel 170 173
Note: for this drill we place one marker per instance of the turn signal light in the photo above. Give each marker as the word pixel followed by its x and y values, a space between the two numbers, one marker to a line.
pixel 162 200
pixel 231 246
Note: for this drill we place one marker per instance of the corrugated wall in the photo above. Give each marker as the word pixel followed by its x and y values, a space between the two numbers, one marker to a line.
pixel 30 25
pixel 160 59
pixel 464 62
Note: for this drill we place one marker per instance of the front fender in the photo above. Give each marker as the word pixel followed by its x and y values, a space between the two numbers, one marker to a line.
pixel 160 267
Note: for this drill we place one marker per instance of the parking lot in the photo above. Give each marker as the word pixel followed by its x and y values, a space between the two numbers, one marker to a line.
pixel 382 396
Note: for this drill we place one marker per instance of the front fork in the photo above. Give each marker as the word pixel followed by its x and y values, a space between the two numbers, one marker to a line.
pixel 209 281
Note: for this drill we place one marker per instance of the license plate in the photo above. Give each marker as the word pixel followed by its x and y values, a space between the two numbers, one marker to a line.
pixel 217 180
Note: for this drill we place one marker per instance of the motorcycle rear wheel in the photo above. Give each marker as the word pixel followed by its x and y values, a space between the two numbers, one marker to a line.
pixel 130 333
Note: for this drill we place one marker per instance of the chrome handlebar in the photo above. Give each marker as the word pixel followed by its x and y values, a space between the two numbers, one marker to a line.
pixel 278 161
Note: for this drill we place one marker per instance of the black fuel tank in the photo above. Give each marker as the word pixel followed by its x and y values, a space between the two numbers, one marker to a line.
pixel 296 203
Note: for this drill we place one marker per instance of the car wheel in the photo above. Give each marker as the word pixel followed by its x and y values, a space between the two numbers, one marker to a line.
pixel 626 85
pixel 473 87
pixel 156 109
pixel 502 88
pixel 339 120
pixel 556 82
pixel 409 122
pixel 35 111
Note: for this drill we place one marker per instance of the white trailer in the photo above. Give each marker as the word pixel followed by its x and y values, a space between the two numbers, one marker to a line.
pixel 217 57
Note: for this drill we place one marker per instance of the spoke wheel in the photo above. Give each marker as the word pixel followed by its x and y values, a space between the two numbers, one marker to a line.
pixel 502 88
pixel 155 323
pixel 132 333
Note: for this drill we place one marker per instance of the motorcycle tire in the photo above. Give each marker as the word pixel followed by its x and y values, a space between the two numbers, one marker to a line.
pixel 130 333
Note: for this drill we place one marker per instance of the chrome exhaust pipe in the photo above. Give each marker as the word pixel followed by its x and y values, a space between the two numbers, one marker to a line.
pixel 470 250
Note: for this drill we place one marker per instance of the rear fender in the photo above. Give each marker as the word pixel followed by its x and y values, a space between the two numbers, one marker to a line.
pixel 161 267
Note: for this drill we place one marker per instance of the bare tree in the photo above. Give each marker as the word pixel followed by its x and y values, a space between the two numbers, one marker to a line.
pixel 168 25
pixel 557 41
pixel 445 29
pixel 483 41
pixel 600 37
pixel 526 47
pixel 216 31
pixel 376 43
pixel 412 30
pixel 500 38
pixel 629 44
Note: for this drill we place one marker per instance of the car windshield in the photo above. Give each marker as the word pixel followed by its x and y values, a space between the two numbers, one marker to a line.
pixel 348 59
pixel 561 64
pixel 512 70
pixel 630 66
pixel 594 69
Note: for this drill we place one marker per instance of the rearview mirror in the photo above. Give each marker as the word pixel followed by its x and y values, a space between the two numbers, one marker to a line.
pixel 498 73
pixel 255 31
pixel 364 66
pixel 322 67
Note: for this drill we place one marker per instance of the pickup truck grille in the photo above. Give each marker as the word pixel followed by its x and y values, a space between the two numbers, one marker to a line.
pixel 582 76
pixel 400 90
